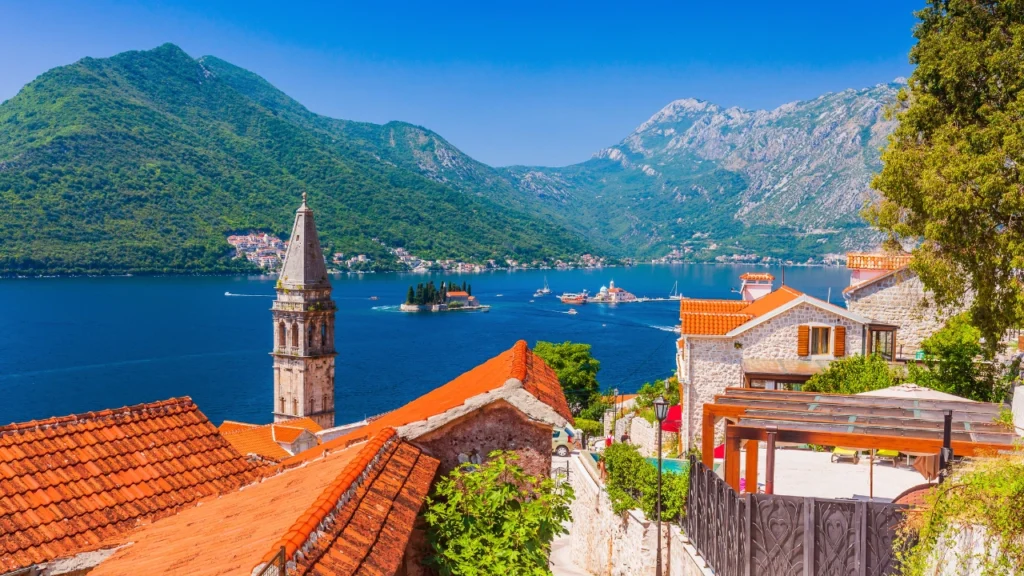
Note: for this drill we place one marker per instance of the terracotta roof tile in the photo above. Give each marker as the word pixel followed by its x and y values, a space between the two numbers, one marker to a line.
pixel 519 362
pixel 757 276
pixel 72 481
pixel 264 440
pixel 877 261
pixel 719 317
pixel 716 306
pixel 345 510
pixel 708 323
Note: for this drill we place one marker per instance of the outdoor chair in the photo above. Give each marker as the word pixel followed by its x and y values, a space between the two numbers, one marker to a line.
pixel 845 454
pixel 890 455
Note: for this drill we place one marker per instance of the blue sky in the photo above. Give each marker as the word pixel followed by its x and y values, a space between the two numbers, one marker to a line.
pixel 540 83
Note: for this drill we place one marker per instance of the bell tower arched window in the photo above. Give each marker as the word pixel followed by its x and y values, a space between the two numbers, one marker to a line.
pixel 281 335
pixel 295 335
pixel 312 405
pixel 295 406
pixel 282 404
pixel 309 336
pixel 323 334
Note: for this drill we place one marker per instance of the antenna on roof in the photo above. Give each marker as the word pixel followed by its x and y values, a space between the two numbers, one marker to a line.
pixel 783 274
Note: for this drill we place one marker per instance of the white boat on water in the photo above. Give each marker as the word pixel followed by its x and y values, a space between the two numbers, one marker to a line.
pixel 572 312
pixel 545 290
pixel 674 294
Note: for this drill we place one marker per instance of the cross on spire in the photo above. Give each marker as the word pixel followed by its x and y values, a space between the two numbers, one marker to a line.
pixel 303 196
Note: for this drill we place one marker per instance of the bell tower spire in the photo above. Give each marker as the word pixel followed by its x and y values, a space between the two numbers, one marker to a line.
pixel 303 314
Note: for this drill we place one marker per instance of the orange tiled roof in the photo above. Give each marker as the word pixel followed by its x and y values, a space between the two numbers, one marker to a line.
pixel 232 426
pixel 715 306
pixel 519 362
pixel 757 276
pixel 67 483
pixel 263 440
pixel 719 317
pixel 707 323
pixel 359 502
pixel 877 261
pixel 457 293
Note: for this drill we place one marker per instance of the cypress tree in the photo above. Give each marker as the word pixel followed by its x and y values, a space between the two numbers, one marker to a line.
pixel 411 296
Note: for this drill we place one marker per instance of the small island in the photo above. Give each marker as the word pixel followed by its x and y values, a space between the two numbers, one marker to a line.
pixel 450 297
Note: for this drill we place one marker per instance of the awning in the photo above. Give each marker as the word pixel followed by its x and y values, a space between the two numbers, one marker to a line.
pixel 779 367
pixel 674 420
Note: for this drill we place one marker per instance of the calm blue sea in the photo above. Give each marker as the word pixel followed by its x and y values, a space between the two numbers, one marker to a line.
pixel 78 344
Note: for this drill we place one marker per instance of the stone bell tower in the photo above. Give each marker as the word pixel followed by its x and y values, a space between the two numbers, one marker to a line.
pixel 304 329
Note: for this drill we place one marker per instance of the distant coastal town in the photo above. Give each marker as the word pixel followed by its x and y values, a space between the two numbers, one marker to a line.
pixel 267 251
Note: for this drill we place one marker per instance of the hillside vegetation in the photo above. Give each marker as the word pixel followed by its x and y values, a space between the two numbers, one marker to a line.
pixel 145 161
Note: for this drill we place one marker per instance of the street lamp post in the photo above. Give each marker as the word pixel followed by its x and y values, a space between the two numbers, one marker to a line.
pixel 661 412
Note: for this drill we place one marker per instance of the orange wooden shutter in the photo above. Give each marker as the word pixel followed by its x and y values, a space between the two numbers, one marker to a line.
pixel 840 341
pixel 803 336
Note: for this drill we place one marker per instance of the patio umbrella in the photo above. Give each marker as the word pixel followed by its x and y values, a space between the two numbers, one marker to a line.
pixel 720 452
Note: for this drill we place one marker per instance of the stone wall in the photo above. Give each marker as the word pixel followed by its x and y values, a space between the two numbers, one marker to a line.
pixel 715 364
pixel 899 299
pixel 644 436
pixel 497 426
pixel 603 543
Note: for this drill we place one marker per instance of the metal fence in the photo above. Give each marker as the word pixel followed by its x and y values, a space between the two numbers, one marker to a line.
pixel 276 566
pixel 772 535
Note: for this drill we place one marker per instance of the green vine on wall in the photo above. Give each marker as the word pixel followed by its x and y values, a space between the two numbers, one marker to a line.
pixel 983 499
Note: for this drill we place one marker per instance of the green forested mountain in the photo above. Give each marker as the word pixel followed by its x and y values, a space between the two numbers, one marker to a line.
pixel 143 162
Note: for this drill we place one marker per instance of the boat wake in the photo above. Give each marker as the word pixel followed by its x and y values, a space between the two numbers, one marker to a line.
pixel 386 308
pixel 250 295
pixel 665 328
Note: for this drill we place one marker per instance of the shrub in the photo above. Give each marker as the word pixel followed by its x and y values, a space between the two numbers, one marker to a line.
pixel 576 369
pixel 668 388
pixel 495 519
pixel 951 364
pixel 853 375
pixel 986 497
pixel 589 427
pixel 632 482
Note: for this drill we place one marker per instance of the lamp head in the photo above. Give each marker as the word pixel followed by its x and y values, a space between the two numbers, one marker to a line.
pixel 660 408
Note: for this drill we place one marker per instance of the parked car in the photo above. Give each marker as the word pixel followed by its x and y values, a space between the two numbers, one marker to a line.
pixel 562 441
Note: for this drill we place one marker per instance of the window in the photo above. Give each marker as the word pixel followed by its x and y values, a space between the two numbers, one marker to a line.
pixel 280 335
pixel 327 401
pixel 882 342
pixel 323 334
pixel 295 335
pixel 820 340
pixel 295 406
pixel 309 336
pixel 282 404
pixel 312 405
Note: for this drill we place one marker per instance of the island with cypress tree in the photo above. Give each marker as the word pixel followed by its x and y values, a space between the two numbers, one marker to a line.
pixel 448 297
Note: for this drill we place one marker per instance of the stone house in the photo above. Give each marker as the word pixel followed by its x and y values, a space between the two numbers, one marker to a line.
pixel 883 287
pixel 775 339
pixel 350 505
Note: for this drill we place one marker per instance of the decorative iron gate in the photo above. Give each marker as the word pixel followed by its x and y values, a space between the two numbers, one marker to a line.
pixel 772 535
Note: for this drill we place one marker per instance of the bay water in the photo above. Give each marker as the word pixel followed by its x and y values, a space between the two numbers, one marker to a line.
pixel 70 345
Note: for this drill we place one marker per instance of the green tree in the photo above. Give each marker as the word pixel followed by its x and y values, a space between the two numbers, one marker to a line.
pixel 667 389
pixel 853 375
pixel 952 175
pixel 410 298
pixel 951 363
pixel 576 369
pixel 495 519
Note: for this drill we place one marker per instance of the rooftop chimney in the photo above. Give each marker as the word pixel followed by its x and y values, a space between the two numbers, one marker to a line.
pixel 755 285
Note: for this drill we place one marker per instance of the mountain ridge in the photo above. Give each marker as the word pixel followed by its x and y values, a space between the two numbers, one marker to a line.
pixel 144 161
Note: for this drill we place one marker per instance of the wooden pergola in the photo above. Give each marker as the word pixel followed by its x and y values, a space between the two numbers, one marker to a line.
pixel 909 425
